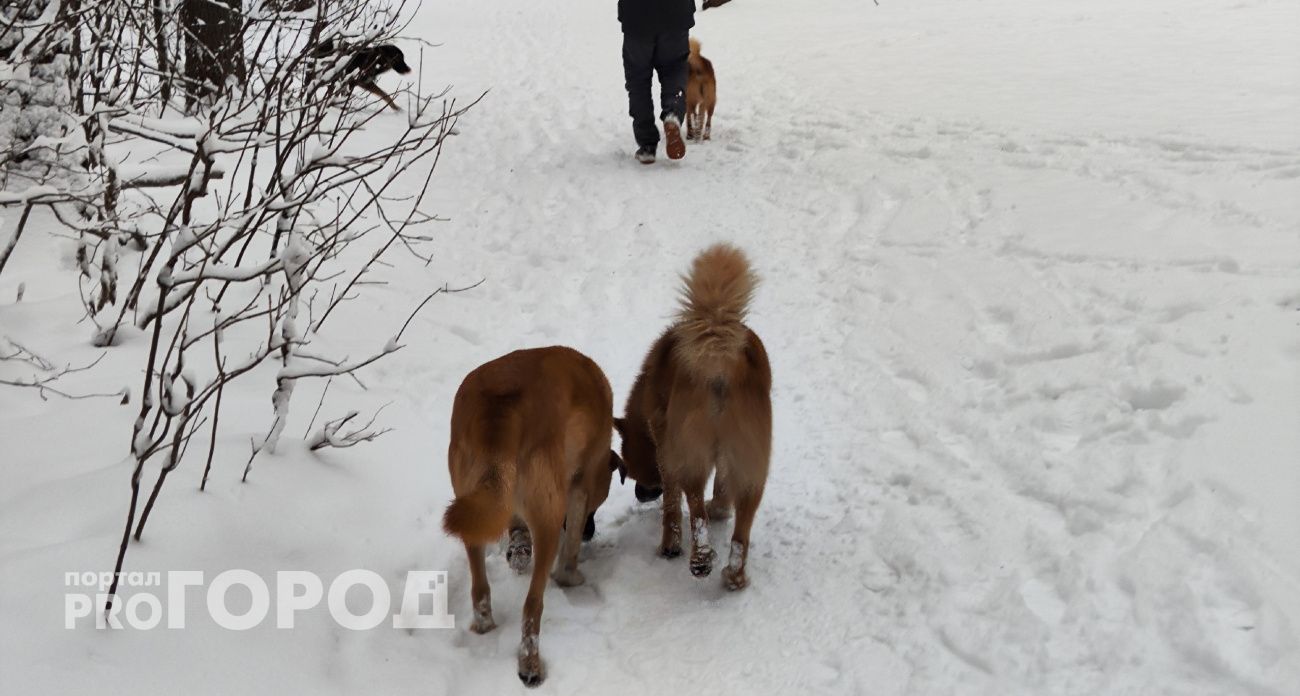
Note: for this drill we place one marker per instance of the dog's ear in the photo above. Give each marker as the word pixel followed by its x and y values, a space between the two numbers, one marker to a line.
pixel 616 463
pixel 620 425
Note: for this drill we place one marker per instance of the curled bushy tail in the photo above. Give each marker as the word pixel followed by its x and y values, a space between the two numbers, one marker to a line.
pixel 482 516
pixel 694 57
pixel 710 329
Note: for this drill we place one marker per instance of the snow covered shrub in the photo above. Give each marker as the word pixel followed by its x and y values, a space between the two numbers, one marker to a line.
pixel 35 98
pixel 222 224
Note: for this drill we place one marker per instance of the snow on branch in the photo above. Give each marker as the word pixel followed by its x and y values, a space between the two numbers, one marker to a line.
pixel 330 434
pixel 160 177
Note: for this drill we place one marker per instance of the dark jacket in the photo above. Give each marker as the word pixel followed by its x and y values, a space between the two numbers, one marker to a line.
pixel 647 17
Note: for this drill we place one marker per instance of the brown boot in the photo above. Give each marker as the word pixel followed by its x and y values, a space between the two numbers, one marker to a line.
pixel 674 145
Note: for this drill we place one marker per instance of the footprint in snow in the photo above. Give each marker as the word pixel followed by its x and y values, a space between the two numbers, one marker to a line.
pixel 1156 396
pixel 470 336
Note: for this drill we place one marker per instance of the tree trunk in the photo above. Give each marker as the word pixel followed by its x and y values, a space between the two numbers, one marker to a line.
pixel 160 45
pixel 214 46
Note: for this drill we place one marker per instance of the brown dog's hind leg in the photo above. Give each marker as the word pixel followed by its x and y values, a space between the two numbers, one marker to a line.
pixel 708 124
pixel 702 554
pixel 670 544
pixel 733 576
pixel 480 594
pixel 566 572
pixel 546 536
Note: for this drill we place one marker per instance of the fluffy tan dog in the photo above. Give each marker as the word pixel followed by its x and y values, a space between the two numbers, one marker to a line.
pixel 703 403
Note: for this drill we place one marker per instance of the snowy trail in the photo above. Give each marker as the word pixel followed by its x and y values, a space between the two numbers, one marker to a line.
pixel 1034 357
pixel 879 220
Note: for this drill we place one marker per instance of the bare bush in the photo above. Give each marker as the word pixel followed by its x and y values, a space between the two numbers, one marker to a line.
pixel 259 210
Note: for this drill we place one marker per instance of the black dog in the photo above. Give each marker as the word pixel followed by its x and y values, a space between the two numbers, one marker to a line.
pixel 367 63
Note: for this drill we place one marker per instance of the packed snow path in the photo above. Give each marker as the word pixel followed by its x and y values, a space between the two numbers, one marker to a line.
pixel 1030 292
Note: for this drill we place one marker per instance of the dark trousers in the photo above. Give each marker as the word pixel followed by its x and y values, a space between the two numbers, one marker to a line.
pixel 665 54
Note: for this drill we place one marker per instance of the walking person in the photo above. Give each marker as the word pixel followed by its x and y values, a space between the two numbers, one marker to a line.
pixel 656 36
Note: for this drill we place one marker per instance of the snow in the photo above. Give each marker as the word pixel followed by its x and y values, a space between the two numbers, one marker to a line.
pixel 221 271
pixel 1030 290
pixel 28 195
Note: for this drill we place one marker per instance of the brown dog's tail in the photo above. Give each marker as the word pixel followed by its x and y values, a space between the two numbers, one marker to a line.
pixel 694 58
pixel 710 328
pixel 482 516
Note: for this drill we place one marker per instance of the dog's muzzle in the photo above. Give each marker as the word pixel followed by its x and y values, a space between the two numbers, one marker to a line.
pixel 645 495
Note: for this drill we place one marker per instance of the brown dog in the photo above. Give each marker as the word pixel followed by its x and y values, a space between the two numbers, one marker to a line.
pixel 701 94
pixel 703 402
pixel 367 63
pixel 530 434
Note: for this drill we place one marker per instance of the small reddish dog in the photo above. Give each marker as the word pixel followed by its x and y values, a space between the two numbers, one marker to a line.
pixel 703 402
pixel 701 95
pixel 530 435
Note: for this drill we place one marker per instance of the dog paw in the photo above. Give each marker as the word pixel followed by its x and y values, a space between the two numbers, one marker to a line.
pixel 519 556
pixel 734 579
pixel 702 562
pixel 568 578
pixel 482 624
pixel 530 669
pixel 670 551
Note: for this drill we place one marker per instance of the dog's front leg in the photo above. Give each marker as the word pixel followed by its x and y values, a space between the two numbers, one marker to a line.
pixel 719 508
pixel 519 552
pixel 566 570
pixel 670 544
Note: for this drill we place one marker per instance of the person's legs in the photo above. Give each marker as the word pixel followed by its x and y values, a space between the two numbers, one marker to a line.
pixel 672 53
pixel 672 50
pixel 638 68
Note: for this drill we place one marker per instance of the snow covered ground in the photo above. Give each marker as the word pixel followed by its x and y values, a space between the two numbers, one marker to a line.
pixel 1032 287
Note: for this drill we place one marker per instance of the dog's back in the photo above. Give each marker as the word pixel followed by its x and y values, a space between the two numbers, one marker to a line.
pixel 708 363
pixel 520 427
pixel 701 68
pixel 718 368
